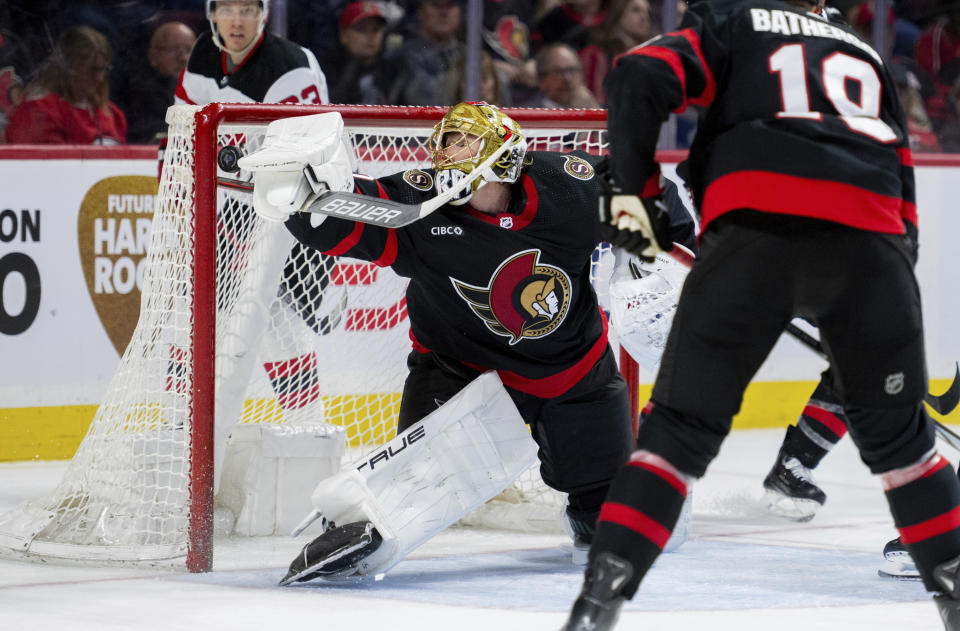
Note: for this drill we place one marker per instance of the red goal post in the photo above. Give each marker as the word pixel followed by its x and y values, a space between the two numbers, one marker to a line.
pixel 238 324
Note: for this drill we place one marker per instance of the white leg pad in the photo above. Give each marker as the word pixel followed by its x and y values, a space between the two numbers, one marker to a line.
pixel 437 471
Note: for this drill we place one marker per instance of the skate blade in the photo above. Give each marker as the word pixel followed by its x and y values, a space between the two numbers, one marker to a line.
pixel 292 577
pixel 900 570
pixel 790 508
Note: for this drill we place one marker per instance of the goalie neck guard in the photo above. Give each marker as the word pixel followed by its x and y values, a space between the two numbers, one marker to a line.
pixel 264 6
pixel 499 155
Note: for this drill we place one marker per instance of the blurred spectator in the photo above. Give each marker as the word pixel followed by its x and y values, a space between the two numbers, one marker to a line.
pixel 560 79
pixel 69 102
pixel 11 93
pixel 356 71
pixel 146 90
pixel 29 29
pixel 425 58
pixel 937 53
pixel 493 88
pixel 950 133
pixel 627 24
pixel 571 21
pixel 239 61
pixel 507 36
pixel 920 130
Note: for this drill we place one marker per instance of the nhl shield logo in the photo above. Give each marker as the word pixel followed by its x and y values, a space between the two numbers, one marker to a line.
pixel 524 299
pixel 893 384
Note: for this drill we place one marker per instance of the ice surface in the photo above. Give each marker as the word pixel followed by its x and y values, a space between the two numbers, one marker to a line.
pixel 742 570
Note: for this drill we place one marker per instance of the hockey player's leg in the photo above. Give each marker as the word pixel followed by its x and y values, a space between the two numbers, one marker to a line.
pixel 642 508
pixel 791 491
pixel 584 436
pixel 428 477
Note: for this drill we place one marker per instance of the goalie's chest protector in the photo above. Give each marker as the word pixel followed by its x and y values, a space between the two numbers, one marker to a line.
pixel 510 291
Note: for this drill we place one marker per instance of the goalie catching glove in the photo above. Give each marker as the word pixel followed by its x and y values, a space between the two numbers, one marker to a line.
pixel 300 158
pixel 641 226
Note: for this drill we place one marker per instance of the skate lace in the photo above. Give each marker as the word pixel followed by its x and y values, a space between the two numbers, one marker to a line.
pixel 798 470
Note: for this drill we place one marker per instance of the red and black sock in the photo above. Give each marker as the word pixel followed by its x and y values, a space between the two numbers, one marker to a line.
pixel 926 511
pixel 636 521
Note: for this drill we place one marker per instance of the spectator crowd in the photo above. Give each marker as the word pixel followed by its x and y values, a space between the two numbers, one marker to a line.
pixel 89 71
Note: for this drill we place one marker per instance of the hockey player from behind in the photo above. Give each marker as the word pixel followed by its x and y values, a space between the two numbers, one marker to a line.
pixel 499 280
pixel 803 176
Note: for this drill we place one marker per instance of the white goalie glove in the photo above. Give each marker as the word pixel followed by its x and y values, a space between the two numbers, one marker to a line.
pixel 300 158
pixel 643 306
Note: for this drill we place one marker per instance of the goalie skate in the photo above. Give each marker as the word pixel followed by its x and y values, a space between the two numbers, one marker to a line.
pixel 897 562
pixel 334 553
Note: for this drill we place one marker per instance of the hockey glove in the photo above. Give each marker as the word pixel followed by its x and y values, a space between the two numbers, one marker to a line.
pixel 639 225
pixel 299 159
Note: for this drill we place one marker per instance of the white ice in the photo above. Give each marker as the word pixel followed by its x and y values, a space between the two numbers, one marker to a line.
pixel 742 570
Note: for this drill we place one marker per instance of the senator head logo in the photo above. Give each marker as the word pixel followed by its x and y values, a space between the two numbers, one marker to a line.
pixel 524 299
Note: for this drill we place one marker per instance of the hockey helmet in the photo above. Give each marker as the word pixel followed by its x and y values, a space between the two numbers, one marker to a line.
pixel 212 7
pixel 499 152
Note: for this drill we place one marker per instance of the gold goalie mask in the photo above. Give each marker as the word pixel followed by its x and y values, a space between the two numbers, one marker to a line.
pixel 499 148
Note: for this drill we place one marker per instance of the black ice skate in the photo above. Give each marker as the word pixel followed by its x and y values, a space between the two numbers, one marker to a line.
pixel 897 562
pixel 334 553
pixel 948 600
pixel 791 491
pixel 598 606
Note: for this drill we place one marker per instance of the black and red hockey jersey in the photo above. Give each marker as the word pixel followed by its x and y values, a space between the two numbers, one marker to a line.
pixel 800 116
pixel 509 292
pixel 274 71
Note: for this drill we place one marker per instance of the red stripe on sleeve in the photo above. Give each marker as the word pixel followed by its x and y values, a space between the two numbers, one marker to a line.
pixel 710 88
pixel 351 240
pixel 636 521
pixel 927 529
pixel 906 156
pixel 389 250
pixel 828 419
pixel 671 58
pixel 180 92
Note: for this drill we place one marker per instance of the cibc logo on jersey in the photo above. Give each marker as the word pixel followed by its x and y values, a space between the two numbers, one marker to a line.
pixel 524 298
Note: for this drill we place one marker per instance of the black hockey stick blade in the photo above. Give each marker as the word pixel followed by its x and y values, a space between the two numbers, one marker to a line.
pixel 946 402
pixel 355 207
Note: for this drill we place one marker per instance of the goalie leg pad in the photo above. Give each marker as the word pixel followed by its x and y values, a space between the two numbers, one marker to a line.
pixel 434 473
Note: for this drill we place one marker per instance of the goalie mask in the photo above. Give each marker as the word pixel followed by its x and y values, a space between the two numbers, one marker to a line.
pixel 264 6
pixel 475 140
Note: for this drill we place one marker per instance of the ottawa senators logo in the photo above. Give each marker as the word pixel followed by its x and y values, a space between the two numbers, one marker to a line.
pixel 578 167
pixel 418 179
pixel 523 298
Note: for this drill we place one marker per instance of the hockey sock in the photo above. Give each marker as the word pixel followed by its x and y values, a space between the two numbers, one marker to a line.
pixel 642 508
pixel 926 512
pixel 295 381
pixel 821 426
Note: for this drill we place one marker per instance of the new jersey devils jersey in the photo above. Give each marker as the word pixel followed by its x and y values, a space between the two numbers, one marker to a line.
pixel 274 71
pixel 801 116
pixel 509 292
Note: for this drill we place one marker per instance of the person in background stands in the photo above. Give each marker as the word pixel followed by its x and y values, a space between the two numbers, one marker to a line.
pixel 356 70
pixel 425 58
pixel 69 101
pixel 147 90
pixel 560 79
pixel 627 24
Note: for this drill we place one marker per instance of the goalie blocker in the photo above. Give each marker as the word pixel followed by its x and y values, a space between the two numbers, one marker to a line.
pixel 422 481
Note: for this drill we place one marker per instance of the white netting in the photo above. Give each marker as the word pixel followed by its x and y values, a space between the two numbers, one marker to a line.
pixel 300 337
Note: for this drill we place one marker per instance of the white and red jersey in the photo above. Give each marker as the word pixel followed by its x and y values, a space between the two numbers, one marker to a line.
pixel 274 71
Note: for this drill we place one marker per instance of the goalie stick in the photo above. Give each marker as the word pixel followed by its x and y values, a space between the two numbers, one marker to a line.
pixel 943 404
pixel 365 208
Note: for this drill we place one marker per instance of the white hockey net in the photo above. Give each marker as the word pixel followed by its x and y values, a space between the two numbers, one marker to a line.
pixel 299 337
